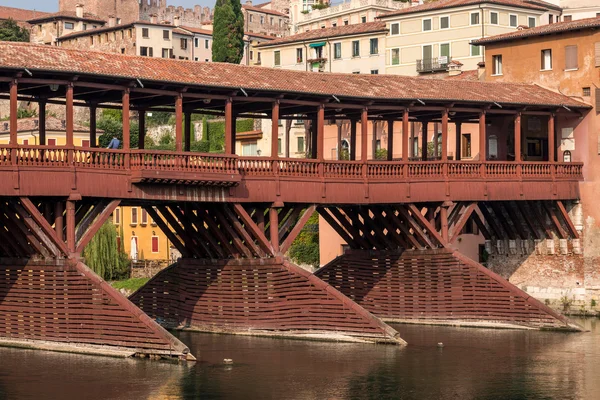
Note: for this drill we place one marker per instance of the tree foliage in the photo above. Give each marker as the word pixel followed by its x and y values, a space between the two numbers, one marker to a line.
pixel 111 122
pixel 228 32
pixel 11 32
pixel 305 249
pixel 103 255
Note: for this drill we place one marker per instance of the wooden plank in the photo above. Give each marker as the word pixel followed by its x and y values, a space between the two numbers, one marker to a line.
pixel 102 217
pixel 431 230
pixel 567 219
pixel 522 212
pixel 336 226
pixel 214 229
pixel 164 227
pixel 460 224
pixel 540 219
pixel 44 225
pixel 554 218
pixel 258 233
pixel 285 246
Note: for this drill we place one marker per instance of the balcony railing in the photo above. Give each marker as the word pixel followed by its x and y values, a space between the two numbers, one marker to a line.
pixel 317 64
pixel 437 64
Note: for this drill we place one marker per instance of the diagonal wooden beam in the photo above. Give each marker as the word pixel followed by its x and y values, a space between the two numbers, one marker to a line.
pixel 225 224
pixel 12 236
pixel 290 221
pixel 424 223
pixel 404 228
pixel 336 226
pixel 187 238
pixel 520 205
pixel 249 223
pixel 102 215
pixel 517 222
pixel 378 229
pixel 355 217
pixel 567 219
pixel 43 224
pixel 553 217
pixel 6 245
pixel 491 221
pixel 540 219
pixel 225 242
pixel 285 246
pixel 478 218
pixel 496 207
pixel 392 230
pixel 237 225
pixel 460 224
pixel 351 229
pixel 83 210
pixel 85 222
pixel 23 227
pixel 454 214
pixel 200 227
pixel 191 233
pixel 167 231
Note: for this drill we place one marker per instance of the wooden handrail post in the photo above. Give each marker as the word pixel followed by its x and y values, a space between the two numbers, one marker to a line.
pixel 364 131
pixel 188 131
pixel 518 144
pixel 142 125
pixel 69 123
pixel 551 139
pixel 93 126
pixel 424 140
pixel 13 110
pixel 444 154
pixel 126 130
pixel 320 132
pixel 275 130
pixel 352 155
pixel 482 141
pixel 179 123
pixel 405 148
pixel 390 141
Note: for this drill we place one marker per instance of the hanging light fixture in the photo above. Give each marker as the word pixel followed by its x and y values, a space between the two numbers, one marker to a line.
pixel 54 87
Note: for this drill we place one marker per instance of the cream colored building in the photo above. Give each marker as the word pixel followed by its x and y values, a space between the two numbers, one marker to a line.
pixel 424 39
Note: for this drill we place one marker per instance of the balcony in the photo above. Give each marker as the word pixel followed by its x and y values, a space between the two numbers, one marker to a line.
pixel 317 64
pixel 438 64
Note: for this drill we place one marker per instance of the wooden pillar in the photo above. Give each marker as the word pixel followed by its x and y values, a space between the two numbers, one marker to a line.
pixel 288 127
pixel 71 226
pixel 412 141
pixel 482 137
pixel 390 141
pixel 339 139
pixel 233 131
pixel 93 128
pixel 424 140
pixel 42 122
pixel 444 220
pixel 179 123
pixel 353 139
pixel 445 135
pixel 551 139
pixel 229 135
pixel 59 219
pixel 363 135
pixel 518 137
pixel 405 145
pixel 374 141
pixel 313 138
pixel 69 116
pixel 274 228
pixel 435 140
pixel 320 133
pixel 275 130
pixel 142 125
pixel 188 131
pixel 458 126
pixel 13 107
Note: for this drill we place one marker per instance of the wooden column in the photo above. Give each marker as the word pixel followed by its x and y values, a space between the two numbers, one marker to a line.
pixel 93 128
pixel 288 127
pixel 275 130
pixel 374 141
pixel 551 139
pixel 444 220
pixel 42 122
pixel 363 135
pixel 353 139
pixel 71 226
pixel 142 125
pixel 188 131
pixel 13 110
pixel 458 126
pixel 482 137
pixel 229 135
pixel 320 133
pixel 405 129
pixel 518 137
pixel 69 115
pixel 445 135
pixel 339 139
pixel 59 219
pixel 390 141
pixel 234 131
pixel 178 123
pixel 274 228
pixel 424 140
pixel 435 141
pixel 313 138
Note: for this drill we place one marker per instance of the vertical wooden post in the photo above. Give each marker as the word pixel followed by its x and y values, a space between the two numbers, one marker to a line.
pixel 339 139
pixel 59 219
pixel 188 131
pixel 275 130
pixel 353 139
pixel 233 132
pixel 69 115
pixel 126 115
pixel 444 221
pixel 390 141
pixel 518 138
pixel 42 122
pixel 93 127
pixel 142 125
pixel 274 228
pixel 13 112
pixel 288 124
pixel 482 137
pixel 320 132
pixel 229 139
pixel 458 126
pixel 179 123
pixel 435 140
pixel 374 140
pixel 405 129
pixel 424 140
pixel 551 139
pixel 364 131
pixel 71 226
pixel 445 135
pixel 411 151
pixel 313 138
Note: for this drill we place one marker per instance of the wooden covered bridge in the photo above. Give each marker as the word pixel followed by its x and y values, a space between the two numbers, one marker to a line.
pixel 233 218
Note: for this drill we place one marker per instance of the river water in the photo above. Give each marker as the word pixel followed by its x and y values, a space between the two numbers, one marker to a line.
pixel 473 364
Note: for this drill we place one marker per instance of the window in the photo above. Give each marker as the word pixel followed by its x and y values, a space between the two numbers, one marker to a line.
pixel 345 22
pixel 550 19
pixel 444 22
pixel 251 17
pixel 355 48
pixel 84 27
pixel 374 46
pixel 144 51
pixel 69 25
pixel 251 55
pixel 85 143
pixel 497 65
pixel 395 29
pixel 117 216
pixel 571 57
pixel 249 149
pixel 356 72
pixel 475 51
pixel 531 22
pixel 475 18
pixel 444 52
pixel 134 216
pixel 299 58
pixel 144 217
pixel 258 57
pixel 91 40
pixel 427 24
pixel 300 144
pixel 277 56
pixel 51 142
pixel 546 60
pixel 513 20
pixel 587 91
pixel 337 51
pixel 40 27
pixel 206 43
pixel 166 35
pixel 333 24
pixel 183 44
pixel 165 53
pixel 465 145
pixel 395 56
pixel 363 19
pixel 280 23
pixel 145 33
pixel 374 72
pixel 493 18
pixel 154 244
pixel 196 42
pixel 279 146
pixel 271 20
pixel 568 18
pixel 262 20
pixel 25 142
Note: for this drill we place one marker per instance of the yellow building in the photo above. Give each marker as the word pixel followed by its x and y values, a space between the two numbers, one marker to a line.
pixel 28 132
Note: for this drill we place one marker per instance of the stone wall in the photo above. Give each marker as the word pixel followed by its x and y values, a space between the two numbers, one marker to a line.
pixel 127 10
pixel 119 41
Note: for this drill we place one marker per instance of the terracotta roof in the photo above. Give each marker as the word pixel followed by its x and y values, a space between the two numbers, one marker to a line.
pixel 441 4
pixel 19 14
pixel 260 35
pixel 56 60
pixel 559 27
pixel 326 33
pixel 67 15
pixel 110 29
pixel 53 124
pixel 180 31
pixel 197 30
pixel 264 11
pixel 464 76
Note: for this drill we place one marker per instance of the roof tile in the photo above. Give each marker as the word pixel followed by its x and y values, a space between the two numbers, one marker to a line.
pixel 441 4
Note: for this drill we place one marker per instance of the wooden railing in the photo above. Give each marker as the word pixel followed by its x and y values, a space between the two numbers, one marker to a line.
pixel 136 160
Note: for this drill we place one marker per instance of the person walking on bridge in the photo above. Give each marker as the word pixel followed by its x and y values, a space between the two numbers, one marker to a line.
pixel 114 143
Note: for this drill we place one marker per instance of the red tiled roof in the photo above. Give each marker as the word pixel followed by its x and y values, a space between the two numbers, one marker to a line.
pixel 56 60
pixel 19 14
pixel 53 124
pixel 441 4
pixel 464 76
pixel 326 33
pixel 263 10
pixel 180 31
pixel 559 27
pixel 260 35
pixel 67 15
pixel 109 29
pixel 197 30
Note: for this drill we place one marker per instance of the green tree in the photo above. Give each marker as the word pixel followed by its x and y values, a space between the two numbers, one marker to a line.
pixel 305 249
pixel 11 32
pixel 228 32
pixel 104 256
pixel 111 122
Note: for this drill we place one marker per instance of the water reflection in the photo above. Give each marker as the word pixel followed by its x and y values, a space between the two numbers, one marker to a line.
pixel 474 364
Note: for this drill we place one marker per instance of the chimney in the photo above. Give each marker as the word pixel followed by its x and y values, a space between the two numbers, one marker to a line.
pixel 79 10
pixel 112 21
pixel 454 68
pixel 248 2
pixel 481 70
pixel 154 18
pixel 177 20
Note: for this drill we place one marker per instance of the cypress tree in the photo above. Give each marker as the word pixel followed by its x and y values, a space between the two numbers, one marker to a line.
pixel 228 32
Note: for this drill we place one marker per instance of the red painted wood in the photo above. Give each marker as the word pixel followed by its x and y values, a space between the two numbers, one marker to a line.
pixel 178 123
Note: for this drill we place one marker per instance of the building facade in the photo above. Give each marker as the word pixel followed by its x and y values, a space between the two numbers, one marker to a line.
pixel 48 28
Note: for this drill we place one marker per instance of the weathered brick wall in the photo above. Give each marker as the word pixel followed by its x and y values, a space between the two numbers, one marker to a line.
pixel 118 42
pixel 127 10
